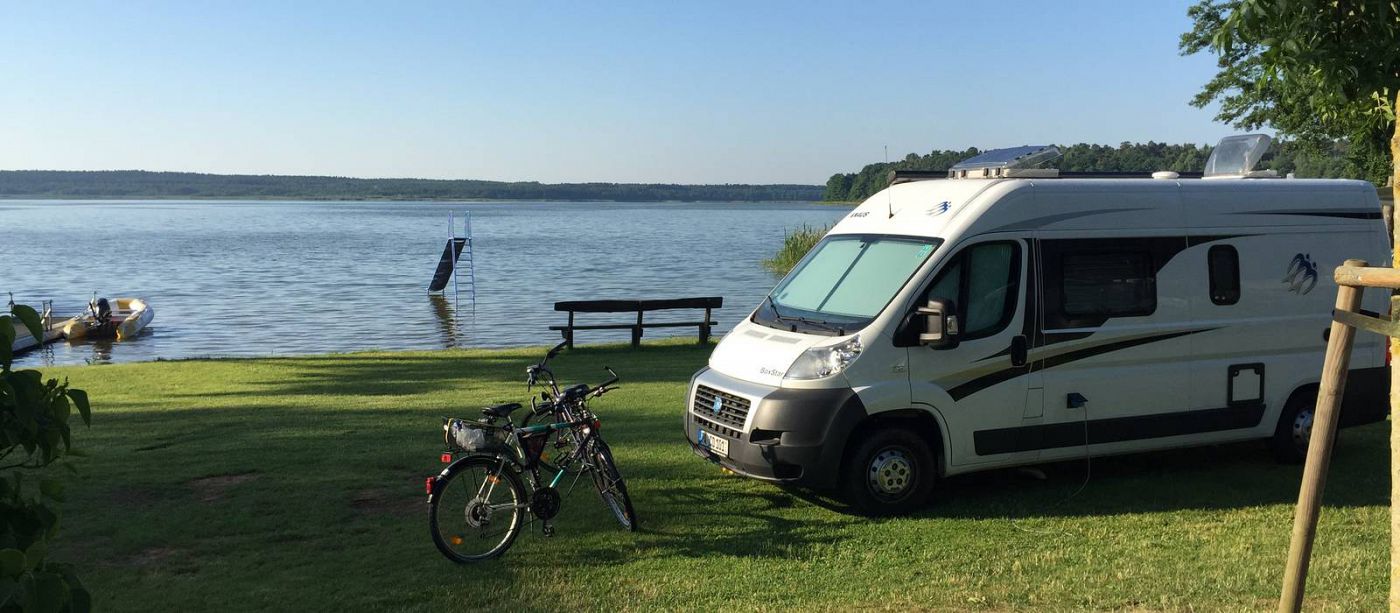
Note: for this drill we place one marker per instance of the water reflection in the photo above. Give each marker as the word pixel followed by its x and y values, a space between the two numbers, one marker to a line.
pixel 102 348
pixel 444 312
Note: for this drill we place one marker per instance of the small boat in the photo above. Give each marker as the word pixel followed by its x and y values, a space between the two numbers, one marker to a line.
pixel 122 318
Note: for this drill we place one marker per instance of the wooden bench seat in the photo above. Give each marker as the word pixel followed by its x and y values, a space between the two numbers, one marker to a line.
pixel 640 307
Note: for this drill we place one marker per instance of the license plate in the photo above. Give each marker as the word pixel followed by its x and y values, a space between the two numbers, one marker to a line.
pixel 716 444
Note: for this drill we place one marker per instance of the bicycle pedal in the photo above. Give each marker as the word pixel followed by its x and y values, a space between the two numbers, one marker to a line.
pixel 547 530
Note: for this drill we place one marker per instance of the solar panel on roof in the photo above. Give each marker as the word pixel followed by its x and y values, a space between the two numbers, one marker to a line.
pixel 1025 156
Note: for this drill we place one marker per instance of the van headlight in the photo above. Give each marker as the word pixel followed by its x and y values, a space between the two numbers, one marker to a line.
pixel 821 362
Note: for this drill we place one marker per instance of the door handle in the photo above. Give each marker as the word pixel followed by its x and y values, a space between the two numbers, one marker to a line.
pixel 1075 400
pixel 1018 350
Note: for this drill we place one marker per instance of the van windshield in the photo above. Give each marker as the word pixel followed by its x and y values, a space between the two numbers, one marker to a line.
pixel 844 283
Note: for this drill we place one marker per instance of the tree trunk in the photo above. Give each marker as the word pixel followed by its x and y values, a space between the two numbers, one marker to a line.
pixel 1395 389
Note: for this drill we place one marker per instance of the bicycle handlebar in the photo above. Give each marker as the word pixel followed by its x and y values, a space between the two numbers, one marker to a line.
pixel 611 381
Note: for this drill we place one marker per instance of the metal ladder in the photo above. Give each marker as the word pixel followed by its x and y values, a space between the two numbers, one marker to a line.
pixel 465 252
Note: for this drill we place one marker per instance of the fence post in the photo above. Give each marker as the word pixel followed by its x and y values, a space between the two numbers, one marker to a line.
pixel 1324 432
pixel 1394 466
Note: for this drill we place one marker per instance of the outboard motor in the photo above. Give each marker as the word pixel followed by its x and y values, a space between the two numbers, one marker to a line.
pixel 102 311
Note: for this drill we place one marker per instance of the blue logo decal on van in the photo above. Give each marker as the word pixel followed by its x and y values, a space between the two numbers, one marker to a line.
pixel 940 208
pixel 699 436
pixel 719 404
pixel 1302 274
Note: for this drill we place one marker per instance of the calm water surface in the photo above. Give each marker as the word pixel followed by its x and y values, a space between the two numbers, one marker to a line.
pixel 279 278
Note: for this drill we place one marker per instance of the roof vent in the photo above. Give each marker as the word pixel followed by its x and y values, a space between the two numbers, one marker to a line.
pixel 1006 163
pixel 1235 157
pixel 1166 175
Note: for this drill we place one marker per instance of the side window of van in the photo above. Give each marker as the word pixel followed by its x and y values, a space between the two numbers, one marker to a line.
pixel 983 282
pixel 1224 264
pixel 1108 284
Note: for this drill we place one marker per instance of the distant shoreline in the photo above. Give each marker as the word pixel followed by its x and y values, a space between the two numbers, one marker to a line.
pixel 8 198
pixel 147 185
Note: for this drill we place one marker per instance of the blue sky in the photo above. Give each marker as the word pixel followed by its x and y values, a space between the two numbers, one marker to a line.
pixel 714 92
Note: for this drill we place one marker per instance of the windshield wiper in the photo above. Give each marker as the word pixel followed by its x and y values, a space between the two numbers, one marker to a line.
pixel 825 325
pixel 816 323
pixel 773 305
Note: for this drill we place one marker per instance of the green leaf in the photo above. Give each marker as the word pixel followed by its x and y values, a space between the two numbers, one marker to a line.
pixel 31 320
pixel 8 588
pixel 50 591
pixel 80 600
pixel 61 408
pixel 29 596
pixel 34 556
pixel 80 400
pixel 53 488
pixel 11 562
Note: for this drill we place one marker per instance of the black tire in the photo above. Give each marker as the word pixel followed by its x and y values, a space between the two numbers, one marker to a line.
pixel 888 472
pixel 464 502
pixel 611 488
pixel 1290 441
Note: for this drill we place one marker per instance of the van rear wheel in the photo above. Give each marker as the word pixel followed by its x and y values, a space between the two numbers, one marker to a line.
pixel 889 472
pixel 1290 441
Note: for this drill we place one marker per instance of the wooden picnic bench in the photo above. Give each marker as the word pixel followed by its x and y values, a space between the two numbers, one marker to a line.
pixel 639 307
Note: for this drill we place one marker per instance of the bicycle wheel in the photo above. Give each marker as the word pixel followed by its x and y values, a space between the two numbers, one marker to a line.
pixel 477 510
pixel 611 487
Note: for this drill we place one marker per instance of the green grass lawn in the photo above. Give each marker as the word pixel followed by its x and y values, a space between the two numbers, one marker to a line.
pixel 297 484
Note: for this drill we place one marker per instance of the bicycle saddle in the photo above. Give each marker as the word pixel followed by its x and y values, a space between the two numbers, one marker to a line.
pixel 500 410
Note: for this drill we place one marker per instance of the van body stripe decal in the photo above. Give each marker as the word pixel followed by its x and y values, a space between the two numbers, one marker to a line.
pixel 1117 429
pixel 1006 374
pixel 1354 214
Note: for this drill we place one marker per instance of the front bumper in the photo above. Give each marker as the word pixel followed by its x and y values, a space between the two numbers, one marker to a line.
pixel 792 436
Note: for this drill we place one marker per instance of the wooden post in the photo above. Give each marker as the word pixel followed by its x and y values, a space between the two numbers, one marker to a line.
pixel 705 328
pixel 1394 467
pixel 637 331
pixel 1394 389
pixel 569 332
pixel 1324 431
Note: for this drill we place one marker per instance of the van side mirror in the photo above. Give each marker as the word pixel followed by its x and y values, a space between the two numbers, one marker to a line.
pixel 940 324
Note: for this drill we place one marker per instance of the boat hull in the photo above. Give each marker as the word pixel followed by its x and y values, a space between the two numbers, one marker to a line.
pixel 140 314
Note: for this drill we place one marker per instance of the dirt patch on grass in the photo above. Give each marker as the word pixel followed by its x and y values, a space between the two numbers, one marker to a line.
pixel 151 556
pixel 159 560
pixel 214 488
pixel 137 496
pixel 381 501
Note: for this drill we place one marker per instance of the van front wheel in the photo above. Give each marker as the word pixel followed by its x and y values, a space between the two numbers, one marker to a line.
pixel 889 472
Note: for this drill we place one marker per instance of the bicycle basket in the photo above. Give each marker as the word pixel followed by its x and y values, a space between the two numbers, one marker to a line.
pixel 473 437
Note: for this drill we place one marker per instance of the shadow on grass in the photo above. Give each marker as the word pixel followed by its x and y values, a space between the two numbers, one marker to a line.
pixel 388 374
pixel 1216 477
pixel 1229 476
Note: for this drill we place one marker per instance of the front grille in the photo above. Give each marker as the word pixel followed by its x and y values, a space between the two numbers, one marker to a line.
pixel 733 410
pixel 716 428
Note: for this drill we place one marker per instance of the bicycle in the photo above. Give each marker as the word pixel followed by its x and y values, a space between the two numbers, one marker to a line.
pixel 479 503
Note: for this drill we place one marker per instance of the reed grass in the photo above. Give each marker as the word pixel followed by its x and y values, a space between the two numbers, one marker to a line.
pixel 796 244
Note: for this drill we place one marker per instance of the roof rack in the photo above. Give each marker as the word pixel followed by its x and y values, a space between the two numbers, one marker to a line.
pixel 906 176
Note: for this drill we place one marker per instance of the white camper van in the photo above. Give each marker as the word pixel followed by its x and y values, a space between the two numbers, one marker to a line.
pixel 1008 315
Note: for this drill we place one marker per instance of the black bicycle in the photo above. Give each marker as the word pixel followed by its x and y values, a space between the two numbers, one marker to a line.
pixel 478 505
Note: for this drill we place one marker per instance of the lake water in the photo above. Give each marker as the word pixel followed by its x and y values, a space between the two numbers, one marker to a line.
pixel 287 278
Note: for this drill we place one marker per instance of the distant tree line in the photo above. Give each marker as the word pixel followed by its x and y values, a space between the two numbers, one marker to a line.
pixel 1285 157
pixel 120 184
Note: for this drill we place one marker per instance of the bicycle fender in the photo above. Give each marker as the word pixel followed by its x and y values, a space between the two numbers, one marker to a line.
pixel 435 479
